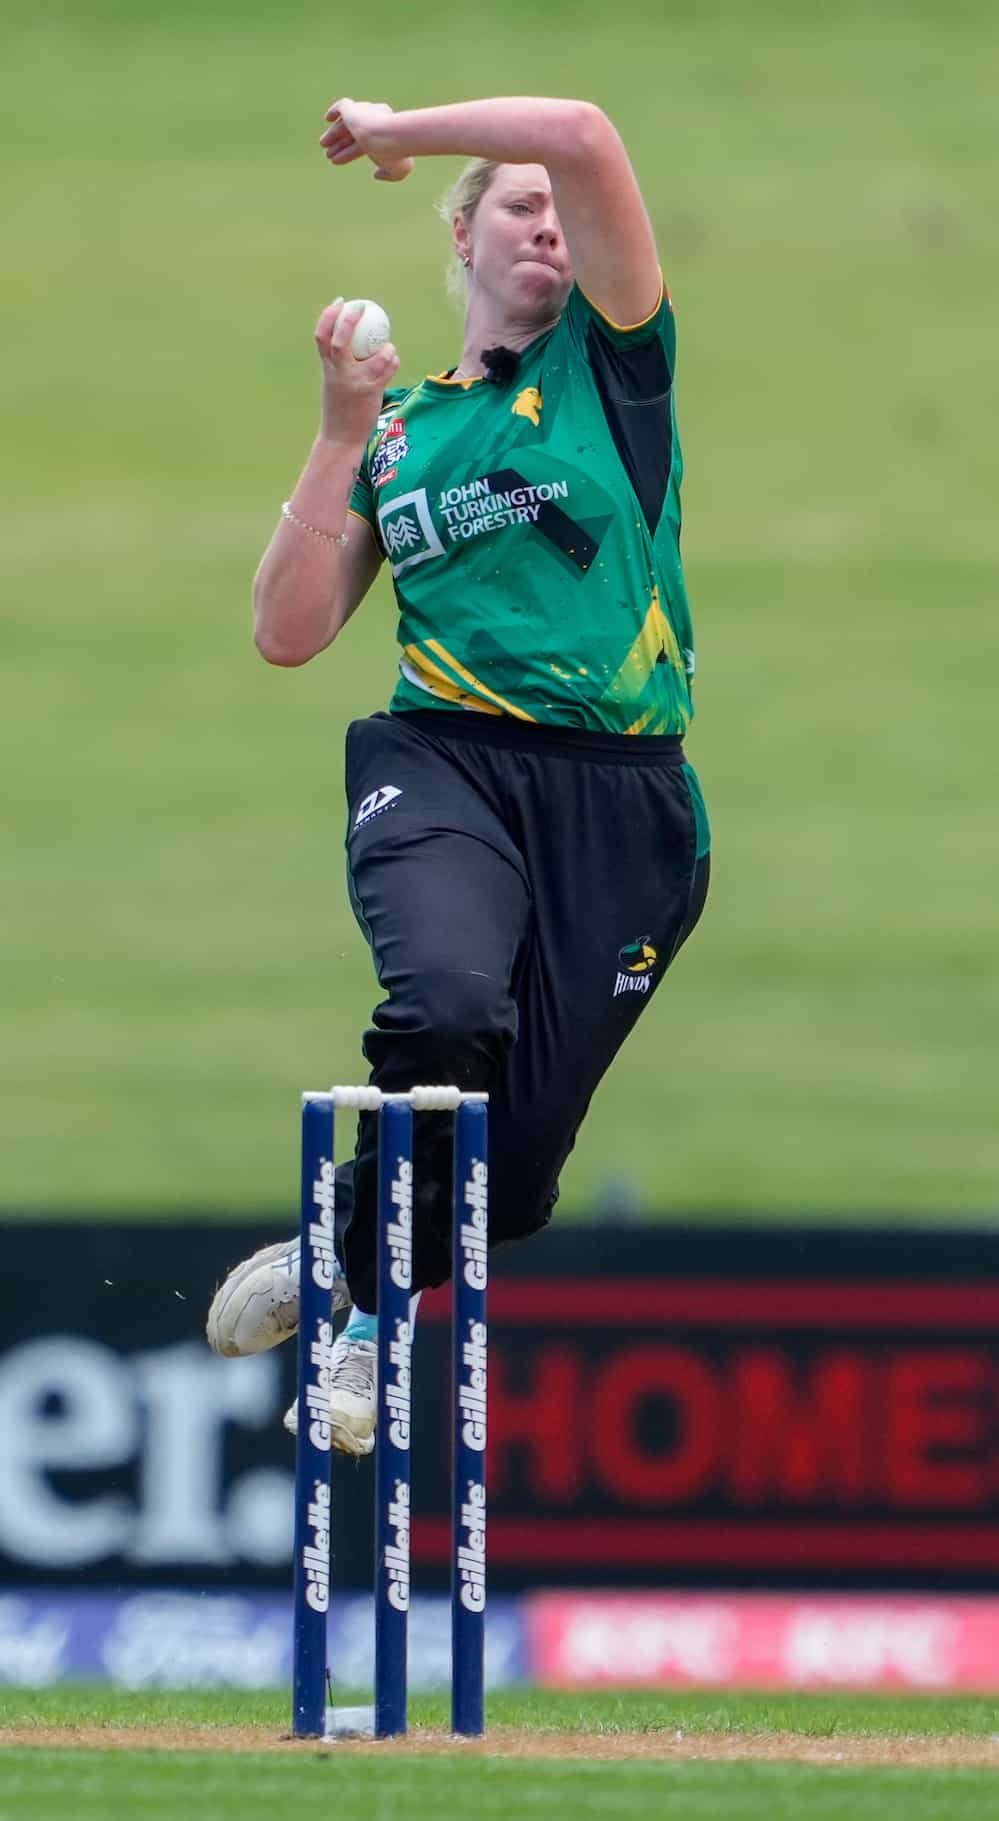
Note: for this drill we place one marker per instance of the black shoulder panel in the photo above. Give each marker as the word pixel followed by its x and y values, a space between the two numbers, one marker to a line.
pixel 634 386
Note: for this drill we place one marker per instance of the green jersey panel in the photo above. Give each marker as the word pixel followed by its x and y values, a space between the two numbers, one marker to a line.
pixel 532 529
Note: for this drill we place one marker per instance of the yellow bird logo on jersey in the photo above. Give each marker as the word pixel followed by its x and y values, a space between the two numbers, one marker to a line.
pixel 528 404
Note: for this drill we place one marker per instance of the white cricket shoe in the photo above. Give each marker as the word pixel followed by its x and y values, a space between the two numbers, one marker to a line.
pixel 257 1306
pixel 353 1396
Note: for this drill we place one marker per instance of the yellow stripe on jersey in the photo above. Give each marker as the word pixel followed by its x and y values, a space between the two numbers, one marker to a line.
pixel 445 379
pixel 625 328
pixel 480 689
pixel 642 724
pixel 439 684
pixel 656 635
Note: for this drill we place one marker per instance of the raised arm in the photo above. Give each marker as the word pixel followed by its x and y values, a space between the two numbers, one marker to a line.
pixel 321 560
pixel 597 198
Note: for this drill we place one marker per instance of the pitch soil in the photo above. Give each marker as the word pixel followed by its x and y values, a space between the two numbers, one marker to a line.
pixel 511 1742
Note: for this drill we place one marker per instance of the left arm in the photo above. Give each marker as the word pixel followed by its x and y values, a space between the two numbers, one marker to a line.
pixel 597 198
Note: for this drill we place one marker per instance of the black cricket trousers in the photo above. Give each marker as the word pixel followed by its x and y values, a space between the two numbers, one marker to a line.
pixel 523 890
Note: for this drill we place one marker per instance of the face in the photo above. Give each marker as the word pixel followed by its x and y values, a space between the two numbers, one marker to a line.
pixel 519 260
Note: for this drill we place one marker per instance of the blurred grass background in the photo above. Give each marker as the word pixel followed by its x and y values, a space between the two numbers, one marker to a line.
pixel 179 956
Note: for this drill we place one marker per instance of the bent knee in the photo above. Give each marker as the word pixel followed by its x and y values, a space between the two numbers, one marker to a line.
pixel 452 1007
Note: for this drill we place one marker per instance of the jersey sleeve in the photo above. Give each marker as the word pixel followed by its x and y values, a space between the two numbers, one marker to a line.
pixel 362 499
pixel 362 503
pixel 631 368
pixel 635 345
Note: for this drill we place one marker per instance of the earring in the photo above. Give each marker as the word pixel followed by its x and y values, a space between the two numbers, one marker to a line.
pixel 466 262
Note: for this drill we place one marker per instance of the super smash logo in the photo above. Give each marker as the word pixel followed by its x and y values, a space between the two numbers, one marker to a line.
pixel 392 449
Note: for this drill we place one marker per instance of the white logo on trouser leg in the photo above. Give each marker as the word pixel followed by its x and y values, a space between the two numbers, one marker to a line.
pixel 375 802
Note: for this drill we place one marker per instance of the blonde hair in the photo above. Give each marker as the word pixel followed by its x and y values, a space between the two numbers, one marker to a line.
pixel 463 199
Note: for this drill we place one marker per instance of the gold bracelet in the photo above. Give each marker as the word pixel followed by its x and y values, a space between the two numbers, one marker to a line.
pixel 325 537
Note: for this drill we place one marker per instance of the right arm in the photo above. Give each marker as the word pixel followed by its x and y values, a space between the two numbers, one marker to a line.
pixel 306 589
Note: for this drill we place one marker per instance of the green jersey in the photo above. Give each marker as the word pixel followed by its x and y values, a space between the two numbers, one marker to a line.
pixel 532 529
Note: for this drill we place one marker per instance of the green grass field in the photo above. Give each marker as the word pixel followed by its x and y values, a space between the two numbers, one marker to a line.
pixel 605 1755
pixel 180 958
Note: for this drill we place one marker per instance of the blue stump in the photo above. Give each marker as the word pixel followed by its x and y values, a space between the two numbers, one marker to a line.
pixel 392 1436
pixel 468 1481
pixel 313 1508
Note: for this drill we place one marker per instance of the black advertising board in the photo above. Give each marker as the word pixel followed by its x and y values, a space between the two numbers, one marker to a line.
pixel 684 1406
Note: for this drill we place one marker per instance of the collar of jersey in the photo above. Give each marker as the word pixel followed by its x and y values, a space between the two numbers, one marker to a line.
pixel 444 381
pixel 441 381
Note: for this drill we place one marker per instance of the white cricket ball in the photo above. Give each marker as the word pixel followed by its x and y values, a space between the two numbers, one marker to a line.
pixel 372 330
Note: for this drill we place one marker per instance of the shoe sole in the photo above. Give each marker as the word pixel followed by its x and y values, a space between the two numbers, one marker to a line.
pixel 219 1312
pixel 345 1440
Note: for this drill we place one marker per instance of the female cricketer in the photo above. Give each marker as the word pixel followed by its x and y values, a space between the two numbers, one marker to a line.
pixel 527 844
